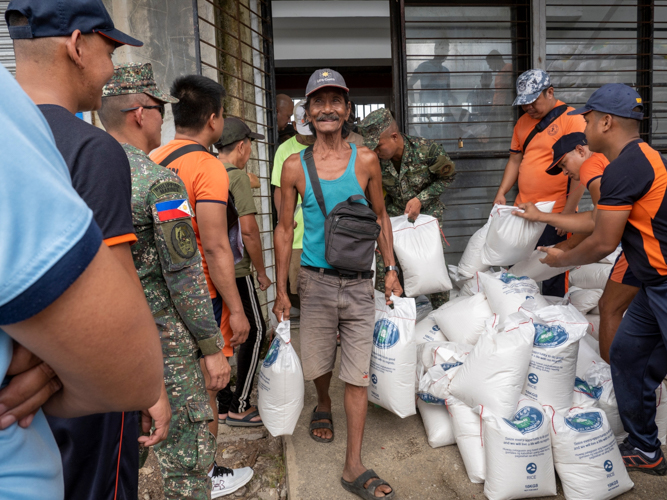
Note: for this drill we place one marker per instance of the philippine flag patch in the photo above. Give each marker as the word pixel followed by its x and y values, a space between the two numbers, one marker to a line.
pixel 173 209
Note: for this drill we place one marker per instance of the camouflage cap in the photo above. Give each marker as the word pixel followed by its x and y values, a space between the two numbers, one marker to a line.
pixel 135 78
pixel 529 85
pixel 373 125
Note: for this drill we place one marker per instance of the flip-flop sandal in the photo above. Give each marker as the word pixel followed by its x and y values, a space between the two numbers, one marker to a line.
pixel 357 486
pixel 245 421
pixel 321 415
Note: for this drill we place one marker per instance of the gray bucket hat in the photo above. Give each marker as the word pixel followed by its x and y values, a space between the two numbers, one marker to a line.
pixel 529 85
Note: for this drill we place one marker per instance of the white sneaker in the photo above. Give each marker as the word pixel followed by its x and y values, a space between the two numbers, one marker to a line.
pixel 226 481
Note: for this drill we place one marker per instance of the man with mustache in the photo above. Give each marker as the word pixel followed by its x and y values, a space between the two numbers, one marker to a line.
pixel 333 300
pixel 545 121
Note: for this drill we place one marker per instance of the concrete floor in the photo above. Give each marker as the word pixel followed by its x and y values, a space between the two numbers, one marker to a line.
pixel 398 451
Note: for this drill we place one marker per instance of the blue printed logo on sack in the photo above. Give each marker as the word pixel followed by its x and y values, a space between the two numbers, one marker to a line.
pixel 447 366
pixel 585 422
pixel 583 387
pixel 527 419
pixel 385 334
pixel 533 379
pixel 374 379
pixel 272 354
pixel 531 468
pixel 508 278
pixel 608 466
pixel 428 398
pixel 549 336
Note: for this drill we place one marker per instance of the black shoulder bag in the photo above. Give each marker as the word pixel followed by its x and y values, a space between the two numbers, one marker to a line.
pixel 350 229
pixel 544 123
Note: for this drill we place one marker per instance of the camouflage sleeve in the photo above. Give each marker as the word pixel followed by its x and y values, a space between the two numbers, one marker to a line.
pixel 181 262
pixel 441 169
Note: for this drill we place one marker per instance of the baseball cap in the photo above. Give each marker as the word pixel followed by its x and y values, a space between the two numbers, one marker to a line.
pixel 529 85
pixel 373 125
pixel 300 119
pixel 135 78
pixel 325 78
pixel 616 99
pixel 50 18
pixel 235 130
pixel 562 147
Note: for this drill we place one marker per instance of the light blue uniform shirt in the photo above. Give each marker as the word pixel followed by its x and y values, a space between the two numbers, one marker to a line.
pixel 48 239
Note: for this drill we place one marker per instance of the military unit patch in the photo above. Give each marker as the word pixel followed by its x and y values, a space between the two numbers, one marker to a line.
pixel 167 187
pixel 183 240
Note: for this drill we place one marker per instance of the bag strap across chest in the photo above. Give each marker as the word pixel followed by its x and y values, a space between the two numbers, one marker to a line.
pixel 551 117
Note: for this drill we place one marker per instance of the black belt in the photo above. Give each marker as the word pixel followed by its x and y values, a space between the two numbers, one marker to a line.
pixel 366 275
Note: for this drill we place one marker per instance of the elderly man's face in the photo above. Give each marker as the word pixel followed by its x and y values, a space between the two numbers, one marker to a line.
pixel 328 110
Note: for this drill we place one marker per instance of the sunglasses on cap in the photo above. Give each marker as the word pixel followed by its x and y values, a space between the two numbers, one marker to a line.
pixel 159 107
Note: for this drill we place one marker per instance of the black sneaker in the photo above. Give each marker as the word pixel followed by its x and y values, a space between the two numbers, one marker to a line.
pixel 635 459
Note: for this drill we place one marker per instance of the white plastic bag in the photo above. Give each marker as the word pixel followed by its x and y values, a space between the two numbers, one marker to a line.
pixel 587 459
pixel 511 239
pixel 557 331
pixel 506 293
pixel 519 463
pixel 467 430
pixel 463 320
pixel 599 376
pixel 427 330
pixel 536 270
pixel 471 260
pixel 590 276
pixel 437 423
pixel 584 300
pixel 494 372
pixel 280 386
pixel 418 247
pixel 394 356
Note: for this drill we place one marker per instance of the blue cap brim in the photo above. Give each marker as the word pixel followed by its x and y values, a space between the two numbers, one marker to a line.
pixel 526 99
pixel 120 38
pixel 580 111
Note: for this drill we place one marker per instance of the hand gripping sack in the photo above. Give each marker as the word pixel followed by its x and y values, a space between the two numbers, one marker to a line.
pixel 599 376
pixel 590 276
pixel 536 270
pixel 494 372
pixel 467 431
pixel 463 319
pixel 511 239
pixel 506 293
pixel 519 462
pixel 557 331
pixel 471 260
pixel 280 385
pixel 427 330
pixel 437 423
pixel 418 247
pixel 394 356
pixel 587 459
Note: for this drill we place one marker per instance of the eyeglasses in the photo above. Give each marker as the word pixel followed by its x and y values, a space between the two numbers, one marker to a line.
pixel 159 107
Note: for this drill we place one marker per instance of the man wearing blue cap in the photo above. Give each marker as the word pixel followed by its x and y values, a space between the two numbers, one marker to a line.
pixel 632 209
pixel 544 122
pixel 63 59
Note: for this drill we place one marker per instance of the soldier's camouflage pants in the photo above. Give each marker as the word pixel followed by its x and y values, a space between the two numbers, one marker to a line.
pixel 187 454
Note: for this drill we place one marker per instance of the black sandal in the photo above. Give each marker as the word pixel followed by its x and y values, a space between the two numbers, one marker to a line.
pixel 357 486
pixel 321 415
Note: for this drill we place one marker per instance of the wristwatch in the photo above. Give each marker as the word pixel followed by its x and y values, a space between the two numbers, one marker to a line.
pixel 391 268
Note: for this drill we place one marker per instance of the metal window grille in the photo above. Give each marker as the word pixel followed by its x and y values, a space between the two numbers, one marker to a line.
pixel 235 47
pixel 6 46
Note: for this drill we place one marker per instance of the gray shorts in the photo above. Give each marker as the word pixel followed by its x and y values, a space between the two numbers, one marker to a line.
pixel 330 304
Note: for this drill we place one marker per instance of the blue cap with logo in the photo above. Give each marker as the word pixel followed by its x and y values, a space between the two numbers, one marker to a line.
pixel 616 99
pixel 562 147
pixel 50 18
pixel 529 85
pixel 325 78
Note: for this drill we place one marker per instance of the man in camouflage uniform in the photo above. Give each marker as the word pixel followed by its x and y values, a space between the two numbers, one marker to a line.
pixel 415 172
pixel 169 266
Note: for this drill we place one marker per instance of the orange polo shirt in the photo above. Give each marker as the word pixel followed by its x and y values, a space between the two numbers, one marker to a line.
pixel 593 168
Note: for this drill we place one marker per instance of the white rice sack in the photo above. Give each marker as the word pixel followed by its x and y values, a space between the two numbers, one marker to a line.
pixel 586 456
pixel 611 258
pixel 470 288
pixel 471 260
pixel 467 431
pixel 594 326
pixel 557 331
pixel 434 384
pixel 494 372
pixel 427 330
pixel 423 306
pixel 437 423
pixel 536 270
pixel 437 353
pixel 586 358
pixel 280 385
pixel 458 279
pixel 590 276
pixel 506 293
pixel 463 320
pixel 418 247
pixel 519 463
pixel 584 300
pixel 511 239
pixel 599 376
pixel 584 395
pixel 394 356
pixel 661 412
pixel 454 293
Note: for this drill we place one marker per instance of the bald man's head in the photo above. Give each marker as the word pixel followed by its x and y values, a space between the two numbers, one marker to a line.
pixel 284 108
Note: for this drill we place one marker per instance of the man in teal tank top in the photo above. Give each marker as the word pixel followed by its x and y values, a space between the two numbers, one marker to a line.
pixel 333 301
